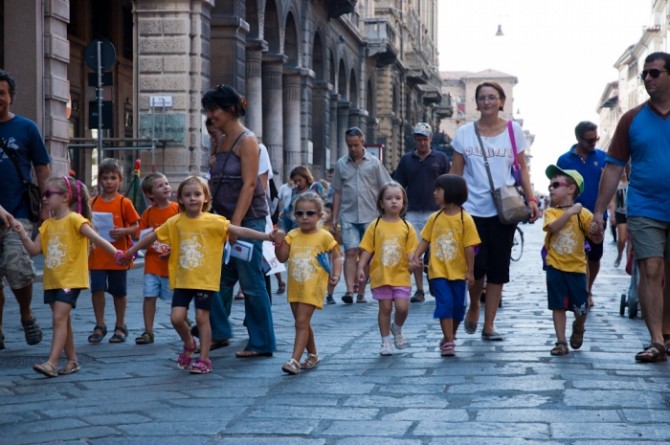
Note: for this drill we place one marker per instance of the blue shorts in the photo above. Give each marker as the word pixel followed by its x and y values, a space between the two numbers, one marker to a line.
pixel 352 234
pixel 68 296
pixel 567 291
pixel 111 281
pixel 183 297
pixel 449 298
pixel 157 286
pixel 391 292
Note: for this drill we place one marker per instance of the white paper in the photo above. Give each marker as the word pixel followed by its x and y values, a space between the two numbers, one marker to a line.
pixel 104 223
pixel 269 255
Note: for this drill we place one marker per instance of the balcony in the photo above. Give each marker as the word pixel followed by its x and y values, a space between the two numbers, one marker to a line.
pixel 337 8
pixel 380 38
pixel 444 108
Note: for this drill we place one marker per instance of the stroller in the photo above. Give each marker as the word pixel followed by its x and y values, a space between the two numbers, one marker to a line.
pixel 631 300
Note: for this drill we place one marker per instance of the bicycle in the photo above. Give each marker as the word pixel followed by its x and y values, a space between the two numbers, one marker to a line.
pixel 517 245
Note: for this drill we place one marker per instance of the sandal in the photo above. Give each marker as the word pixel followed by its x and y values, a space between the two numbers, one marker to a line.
pixel 145 339
pixel 447 348
pixel 184 358
pixel 666 340
pixel 46 368
pixel 200 366
pixel 577 337
pixel 561 348
pixel 291 367
pixel 281 289
pixel 32 331
pixel 98 334
pixel 348 298
pixel 70 367
pixel 654 353
pixel 310 362
pixel 119 338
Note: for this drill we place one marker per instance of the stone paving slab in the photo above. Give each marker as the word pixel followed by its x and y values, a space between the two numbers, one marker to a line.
pixel 506 393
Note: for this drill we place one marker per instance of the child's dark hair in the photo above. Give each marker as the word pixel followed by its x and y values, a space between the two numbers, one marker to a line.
pixel 310 197
pixel 205 190
pixel 76 190
pixel 147 183
pixel 380 197
pixel 328 205
pixel 455 188
pixel 110 165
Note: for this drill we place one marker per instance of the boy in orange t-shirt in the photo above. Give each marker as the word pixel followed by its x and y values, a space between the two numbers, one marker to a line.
pixel 106 275
pixel 157 188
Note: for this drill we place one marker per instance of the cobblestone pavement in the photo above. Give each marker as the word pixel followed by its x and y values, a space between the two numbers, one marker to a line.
pixel 511 392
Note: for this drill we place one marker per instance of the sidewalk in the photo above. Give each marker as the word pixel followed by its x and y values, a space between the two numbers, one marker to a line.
pixel 506 393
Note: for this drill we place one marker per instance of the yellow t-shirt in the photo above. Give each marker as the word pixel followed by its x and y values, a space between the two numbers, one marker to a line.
pixel 448 236
pixel 565 248
pixel 197 250
pixel 307 279
pixel 65 252
pixel 390 243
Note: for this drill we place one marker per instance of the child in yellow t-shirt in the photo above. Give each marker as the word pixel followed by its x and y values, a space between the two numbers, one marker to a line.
pixel 387 245
pixel 63 239
pixel 564 223
pixel 452 236
pixel 310 251
pixel 157 188
pixel 197 238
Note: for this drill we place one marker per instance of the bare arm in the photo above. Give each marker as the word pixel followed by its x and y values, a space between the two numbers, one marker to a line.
pixel 337 265
pixel 99 241
pixel 363 260
pixel 457 164
pixel 470 262
pixel 415 259
pixel 33 247
pixel 557 224
pixel 143 243
pixel 609 181
pixel 337 201
pixel 535 211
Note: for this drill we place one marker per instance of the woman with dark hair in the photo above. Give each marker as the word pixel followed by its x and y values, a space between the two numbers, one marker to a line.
pixel 303 182
pixel 493 259
pixel 237 194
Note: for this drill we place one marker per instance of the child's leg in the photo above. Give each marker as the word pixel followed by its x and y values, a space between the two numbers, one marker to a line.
pixel 98 299
pixel 70 352
pixel 384 317
pixel 178 319
pixel 401 310
pixel 61 317
pixel 559 324
pixel 149 312
pixel 120 310
pixel 304 336
pixel 202 320
pixel 447 325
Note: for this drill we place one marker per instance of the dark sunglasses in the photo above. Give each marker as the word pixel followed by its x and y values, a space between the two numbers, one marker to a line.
pixel 308 213
pixel 592 140
pixel 557 184
pixel 654 73
pixel 49 193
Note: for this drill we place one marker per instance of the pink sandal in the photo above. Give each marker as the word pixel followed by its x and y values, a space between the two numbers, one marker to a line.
pixel 200 366
pixel 447 348
pixel 184 359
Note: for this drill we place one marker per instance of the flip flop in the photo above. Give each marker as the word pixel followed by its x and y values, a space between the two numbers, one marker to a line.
pixel 470 327
pixel 252 354
pixel 71 367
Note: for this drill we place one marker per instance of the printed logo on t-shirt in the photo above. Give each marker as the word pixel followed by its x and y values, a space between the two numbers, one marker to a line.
pixel 302 265
pixel 55 254
pixel 445 246
pixel 565 243
pixel 391 252
pixel 190 253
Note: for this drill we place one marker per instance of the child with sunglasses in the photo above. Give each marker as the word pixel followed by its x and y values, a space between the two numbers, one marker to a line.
pixel 564 224
pixel 63 239
pixel 313 261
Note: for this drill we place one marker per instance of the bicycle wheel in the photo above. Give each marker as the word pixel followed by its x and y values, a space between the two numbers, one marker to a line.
pixel 517 245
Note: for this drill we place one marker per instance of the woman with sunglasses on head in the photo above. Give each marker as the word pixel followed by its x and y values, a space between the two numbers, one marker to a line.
pixel 237 194
pixel 493 259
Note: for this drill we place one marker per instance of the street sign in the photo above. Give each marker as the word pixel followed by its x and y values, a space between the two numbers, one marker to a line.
pixel 107 54
pixel 107 115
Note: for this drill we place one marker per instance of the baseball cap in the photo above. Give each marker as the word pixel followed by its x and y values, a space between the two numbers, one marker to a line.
pixel 423 128
pixel 553 170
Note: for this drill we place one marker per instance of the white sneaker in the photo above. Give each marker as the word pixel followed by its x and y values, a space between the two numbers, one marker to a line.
pixel 398 337
pixel 386 348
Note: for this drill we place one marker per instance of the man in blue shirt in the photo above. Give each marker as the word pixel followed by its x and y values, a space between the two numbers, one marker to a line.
pixel 589 161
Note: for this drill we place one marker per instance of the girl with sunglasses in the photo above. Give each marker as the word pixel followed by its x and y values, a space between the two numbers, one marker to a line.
pixel 63 239
pixel 313 261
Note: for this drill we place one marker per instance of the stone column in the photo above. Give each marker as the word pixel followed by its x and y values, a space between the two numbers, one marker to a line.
pixel 254 92
pixel 291 109
pixel 273 122
pixel 343 124
pixel 320 118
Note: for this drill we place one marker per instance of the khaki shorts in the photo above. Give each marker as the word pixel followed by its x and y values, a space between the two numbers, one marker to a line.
pixel 15 262
pixel 650 237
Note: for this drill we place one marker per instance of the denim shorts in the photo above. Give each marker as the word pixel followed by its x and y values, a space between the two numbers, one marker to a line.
pixel 650 237
pixel 567 291
pixel 110 281
pixel 68 296
pixel 183 297
pixel 157 286
pixel 352 234
pixel 449 298
pixel 391 292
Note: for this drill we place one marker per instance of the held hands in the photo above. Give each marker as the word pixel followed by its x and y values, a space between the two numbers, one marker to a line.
pixel 361 276
pixel 415 264
pixel 122 258
pixel 535 211
pixel 277 237
pixel 333 280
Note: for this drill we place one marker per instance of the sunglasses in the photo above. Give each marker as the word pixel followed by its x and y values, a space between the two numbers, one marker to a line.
pixel 49 193
pixel 557 184
pixel 592 140
pixel 354 131
pixel 308 213
pixel 654 73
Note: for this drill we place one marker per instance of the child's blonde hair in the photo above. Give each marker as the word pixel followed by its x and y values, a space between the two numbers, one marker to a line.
pixel 205 190
pixel 380 197
pixel 310 197
pixel 147 183
pixel 76 190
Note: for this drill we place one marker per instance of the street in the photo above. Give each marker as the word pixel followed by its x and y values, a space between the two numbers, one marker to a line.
pixel 510 392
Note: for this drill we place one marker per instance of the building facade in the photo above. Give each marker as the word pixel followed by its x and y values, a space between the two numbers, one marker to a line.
pixel 309 70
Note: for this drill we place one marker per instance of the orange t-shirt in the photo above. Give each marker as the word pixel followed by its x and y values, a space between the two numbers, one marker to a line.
pixel 154 217
pixel 124 216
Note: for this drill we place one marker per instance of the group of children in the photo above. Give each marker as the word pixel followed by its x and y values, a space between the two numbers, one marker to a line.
pixel 185 244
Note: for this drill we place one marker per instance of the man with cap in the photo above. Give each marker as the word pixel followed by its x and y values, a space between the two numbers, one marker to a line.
pixel 589 161
pixel 565 224
pixel 417 172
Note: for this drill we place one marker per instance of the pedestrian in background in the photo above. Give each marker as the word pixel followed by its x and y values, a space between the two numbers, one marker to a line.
pixel 305 249
pixel 389 242
pixel 63 239
pixel 452 236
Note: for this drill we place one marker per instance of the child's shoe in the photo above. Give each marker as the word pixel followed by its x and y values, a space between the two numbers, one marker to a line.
pixel 184 359
pixel 398 337
pixel 291 367
pixel 386 348
pixel 447 348
pixel 360 298
pixel 330 299
pixel 200 366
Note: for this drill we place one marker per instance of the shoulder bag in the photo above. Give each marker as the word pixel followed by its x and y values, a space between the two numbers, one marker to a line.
pixel 32 191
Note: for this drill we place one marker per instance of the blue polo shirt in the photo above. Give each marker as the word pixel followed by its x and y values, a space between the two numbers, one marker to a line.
pixel 590 168
pixel 418 178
